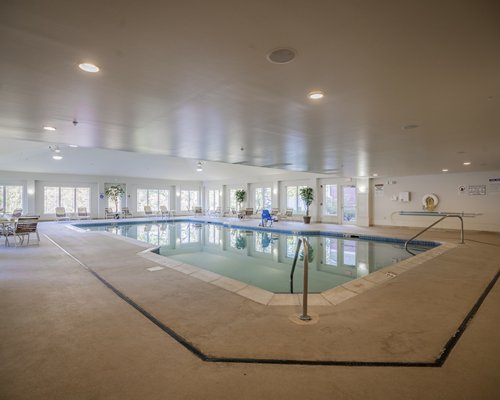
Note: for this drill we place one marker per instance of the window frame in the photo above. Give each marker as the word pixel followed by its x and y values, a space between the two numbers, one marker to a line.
pixel 3 197
pixel 75 204
pixel 158 195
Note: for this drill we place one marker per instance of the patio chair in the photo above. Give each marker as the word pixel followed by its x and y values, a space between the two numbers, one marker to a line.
pixel 266 240
pixel 61 214
pixel 266 218
pixel 22 230
pixel 288 213
pixel 198 211
pixel 248 212
pixel 164 211
pixel 17 213
pixel 275 212
pixel 109 213
pixel 148 211
pixel 82 213
pixel 126 213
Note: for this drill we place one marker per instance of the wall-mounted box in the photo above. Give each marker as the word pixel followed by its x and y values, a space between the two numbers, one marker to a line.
pixel 404 197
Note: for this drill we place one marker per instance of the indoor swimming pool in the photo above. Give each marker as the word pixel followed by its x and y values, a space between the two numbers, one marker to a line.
pixel 263 258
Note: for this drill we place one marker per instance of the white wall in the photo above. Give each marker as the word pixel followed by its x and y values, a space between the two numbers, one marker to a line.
pixel 384 211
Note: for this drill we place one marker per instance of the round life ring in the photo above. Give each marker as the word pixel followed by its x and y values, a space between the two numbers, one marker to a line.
pixel 430 202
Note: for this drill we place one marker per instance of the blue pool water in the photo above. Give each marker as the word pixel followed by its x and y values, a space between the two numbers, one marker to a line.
pixel 264 258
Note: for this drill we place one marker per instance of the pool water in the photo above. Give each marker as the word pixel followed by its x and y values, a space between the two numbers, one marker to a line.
pixel 264 258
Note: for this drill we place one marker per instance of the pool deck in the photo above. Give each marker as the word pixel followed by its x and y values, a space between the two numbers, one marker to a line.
pixel 66 333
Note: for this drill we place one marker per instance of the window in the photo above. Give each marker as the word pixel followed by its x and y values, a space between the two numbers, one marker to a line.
pixel 331 251
pixel 263 198
pixel 232 199
pixel 11 197
pixel 153 198
pixel 190 233
pixel 291 246
pixel 214 234
pixel 214 200
pixel 71 198
pixel 330 200
pixel 189 199
pixel 293 199
pixel 349 252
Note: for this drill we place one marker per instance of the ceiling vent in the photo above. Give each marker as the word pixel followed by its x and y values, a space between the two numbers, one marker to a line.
pixel 282 55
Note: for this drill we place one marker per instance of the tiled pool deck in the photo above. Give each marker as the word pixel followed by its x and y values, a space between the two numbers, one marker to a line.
pixel 66 335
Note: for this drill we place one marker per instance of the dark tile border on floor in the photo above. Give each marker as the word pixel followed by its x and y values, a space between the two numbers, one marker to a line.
pixel 439 362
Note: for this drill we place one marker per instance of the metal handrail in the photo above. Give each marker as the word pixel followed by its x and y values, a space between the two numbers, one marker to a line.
pixel 438 221
pixel 305 316
pixel 305 292
pixel 292 272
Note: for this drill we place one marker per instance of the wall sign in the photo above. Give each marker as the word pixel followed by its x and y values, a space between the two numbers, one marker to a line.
pixel 477 190
pixel 494 186
pixel 379 189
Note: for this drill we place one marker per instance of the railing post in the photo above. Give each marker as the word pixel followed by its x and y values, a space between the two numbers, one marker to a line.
pixel 305 316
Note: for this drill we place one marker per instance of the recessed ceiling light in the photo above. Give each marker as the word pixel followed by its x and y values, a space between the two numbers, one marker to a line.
pixel 444 170
pixel 73 145
pixel 57 150
pixel 49 128
pixel 199 167
pixel 316 95
pixel 467 163
pixel 57 157
pixel 88 67
pixel 375 175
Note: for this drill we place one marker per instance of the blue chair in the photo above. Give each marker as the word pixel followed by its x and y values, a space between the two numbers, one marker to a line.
pixel 266 217
pixel 266 240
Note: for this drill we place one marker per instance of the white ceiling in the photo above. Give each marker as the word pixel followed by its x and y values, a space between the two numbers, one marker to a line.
pixel 190 80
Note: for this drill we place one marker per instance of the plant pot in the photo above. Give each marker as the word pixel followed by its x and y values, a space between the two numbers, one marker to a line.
pixel 307 219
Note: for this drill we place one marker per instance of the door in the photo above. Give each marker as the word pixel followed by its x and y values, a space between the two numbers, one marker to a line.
pixel 330 209
pixel 349 204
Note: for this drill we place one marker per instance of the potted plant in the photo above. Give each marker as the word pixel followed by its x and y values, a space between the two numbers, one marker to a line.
pixel 115 193
pixel 240 197
pixel 307 196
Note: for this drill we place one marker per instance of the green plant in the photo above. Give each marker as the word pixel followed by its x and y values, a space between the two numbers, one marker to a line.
pixel 240 197
pixel 307 196
pixel 114 193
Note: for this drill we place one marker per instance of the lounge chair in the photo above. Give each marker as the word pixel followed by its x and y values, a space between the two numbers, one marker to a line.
pixel 109 213
pixel 148 212
pixel 266 218
pixel 126 213
pixel 275 212
pixel 198 211
pixel 61 214
pixel 22 230
pixel 17 213
pixel 164 211
pixel 82 213
pixel 288 213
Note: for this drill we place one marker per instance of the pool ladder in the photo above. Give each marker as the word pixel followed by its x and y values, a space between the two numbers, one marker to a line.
pixel 304 316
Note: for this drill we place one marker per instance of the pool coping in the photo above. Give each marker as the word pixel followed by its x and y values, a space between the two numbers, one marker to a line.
pixel 330 297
